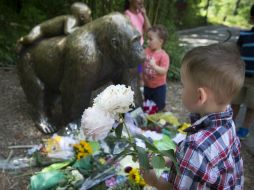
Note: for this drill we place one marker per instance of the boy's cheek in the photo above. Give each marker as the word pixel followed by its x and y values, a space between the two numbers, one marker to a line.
pixel 185 100
pixel 188 102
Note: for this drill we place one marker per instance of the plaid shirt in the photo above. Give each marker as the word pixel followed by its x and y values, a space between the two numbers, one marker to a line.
pixel 209 157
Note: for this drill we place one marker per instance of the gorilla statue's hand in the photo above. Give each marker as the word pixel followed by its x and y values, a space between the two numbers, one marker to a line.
pixel 46 127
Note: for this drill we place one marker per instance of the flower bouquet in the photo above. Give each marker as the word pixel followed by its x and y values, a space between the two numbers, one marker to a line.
pixel 110 106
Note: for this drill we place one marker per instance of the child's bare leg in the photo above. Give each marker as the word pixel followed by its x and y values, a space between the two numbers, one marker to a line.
pixel 35 34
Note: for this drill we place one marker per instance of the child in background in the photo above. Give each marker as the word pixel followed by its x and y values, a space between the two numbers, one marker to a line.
pixel 209 157
pixel 135 11
pixel 156 67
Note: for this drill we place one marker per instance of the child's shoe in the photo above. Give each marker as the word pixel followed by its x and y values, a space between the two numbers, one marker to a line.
pixel 242 133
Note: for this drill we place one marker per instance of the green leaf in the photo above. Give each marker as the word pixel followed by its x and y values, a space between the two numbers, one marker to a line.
pixel 158 162
pixel 134 158
pixel 143 158
pixel 84 165
pixel 57 166
pixel 48 180
pixel 95 146
pixel 165 143
pixel 149 145
pixel 171 155
pixel 119 131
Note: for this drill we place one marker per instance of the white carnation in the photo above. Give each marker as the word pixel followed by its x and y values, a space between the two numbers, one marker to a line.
pixel 96 123
pixel 115 99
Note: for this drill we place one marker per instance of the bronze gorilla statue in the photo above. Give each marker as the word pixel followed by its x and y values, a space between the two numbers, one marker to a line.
pixel 58 74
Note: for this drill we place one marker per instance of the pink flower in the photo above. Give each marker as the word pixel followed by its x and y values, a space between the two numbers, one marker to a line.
pixel 111 182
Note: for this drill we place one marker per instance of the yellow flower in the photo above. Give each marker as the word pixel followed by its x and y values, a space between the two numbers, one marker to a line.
pixel 184 126
pixel 80 155
pixel 82 149
pixel 76 146
pixel 135 176
pixel 89 149
pixel 132 175
pixel 83 143
pixel 142 182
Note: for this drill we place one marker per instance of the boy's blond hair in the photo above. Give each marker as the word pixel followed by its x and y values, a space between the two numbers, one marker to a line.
pixel 217 67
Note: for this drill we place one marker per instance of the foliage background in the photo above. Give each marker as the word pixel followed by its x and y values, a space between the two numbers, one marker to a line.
pixel 17 17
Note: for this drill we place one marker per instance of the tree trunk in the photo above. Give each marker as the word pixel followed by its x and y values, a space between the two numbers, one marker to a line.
pixel 236 7
pixel 150 9
pixel 207 9
pixel 156 12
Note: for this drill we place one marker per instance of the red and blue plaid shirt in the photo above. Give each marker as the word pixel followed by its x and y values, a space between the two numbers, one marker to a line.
pixel 209 157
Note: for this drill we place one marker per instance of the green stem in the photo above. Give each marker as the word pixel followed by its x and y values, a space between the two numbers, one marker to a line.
pixel 132 143
pixel 128 132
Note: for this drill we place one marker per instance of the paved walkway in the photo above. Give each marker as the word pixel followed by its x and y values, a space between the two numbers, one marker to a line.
pixel 206 35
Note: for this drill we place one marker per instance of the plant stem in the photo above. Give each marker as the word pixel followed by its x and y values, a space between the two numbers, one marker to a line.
pixel 128 132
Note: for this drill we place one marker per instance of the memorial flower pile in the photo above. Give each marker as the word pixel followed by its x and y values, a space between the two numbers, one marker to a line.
pixel 109 133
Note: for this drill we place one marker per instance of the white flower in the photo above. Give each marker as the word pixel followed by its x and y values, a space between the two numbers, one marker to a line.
pixel 96 123
pixel 115 99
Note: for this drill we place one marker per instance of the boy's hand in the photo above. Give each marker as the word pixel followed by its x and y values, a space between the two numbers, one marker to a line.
pixel 150 177
pixel 152 180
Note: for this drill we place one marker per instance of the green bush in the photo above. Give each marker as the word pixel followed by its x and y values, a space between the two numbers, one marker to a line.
pixel 174 50
pixel 13 26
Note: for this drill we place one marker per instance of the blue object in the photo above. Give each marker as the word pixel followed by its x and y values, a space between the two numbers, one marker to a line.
pixel 242 133
pixel 140 69
pixel 246 44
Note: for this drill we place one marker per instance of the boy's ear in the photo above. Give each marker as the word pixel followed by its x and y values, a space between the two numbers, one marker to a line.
pixel 202 95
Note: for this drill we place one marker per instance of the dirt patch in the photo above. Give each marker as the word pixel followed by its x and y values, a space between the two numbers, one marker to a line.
pixel 17 128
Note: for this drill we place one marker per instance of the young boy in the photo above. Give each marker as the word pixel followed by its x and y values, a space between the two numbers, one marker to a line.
pixel 156 66
pixel 209 157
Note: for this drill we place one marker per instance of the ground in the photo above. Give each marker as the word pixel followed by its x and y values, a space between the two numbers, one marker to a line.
pixel 17 127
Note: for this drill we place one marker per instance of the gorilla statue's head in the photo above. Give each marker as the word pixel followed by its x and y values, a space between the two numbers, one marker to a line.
pixel 124 41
